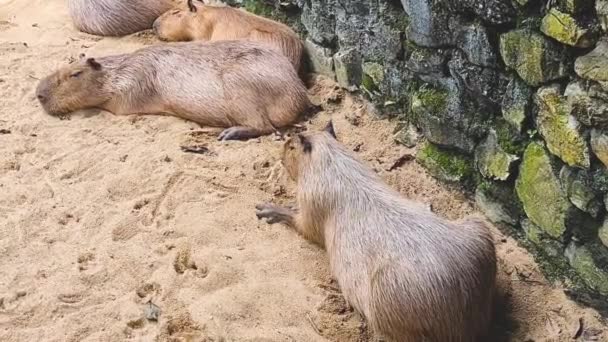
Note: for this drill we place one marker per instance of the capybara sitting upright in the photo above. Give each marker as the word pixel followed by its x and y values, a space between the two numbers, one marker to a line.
pixel 238 84
pixel 221 22
pixel 414 276
pixel 117 17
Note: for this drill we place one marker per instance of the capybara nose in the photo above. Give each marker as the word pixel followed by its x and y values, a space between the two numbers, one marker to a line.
pixel 155 26
pixel 41 98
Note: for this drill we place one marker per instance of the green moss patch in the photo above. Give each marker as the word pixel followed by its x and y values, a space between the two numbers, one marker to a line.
pixel 447 165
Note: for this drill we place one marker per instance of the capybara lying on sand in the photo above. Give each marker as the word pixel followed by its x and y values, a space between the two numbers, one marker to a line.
pixel 413 275
pixel 117 17
pixel 244 86
pixel 217 22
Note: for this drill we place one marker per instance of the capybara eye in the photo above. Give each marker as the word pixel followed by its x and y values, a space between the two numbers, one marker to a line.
pixel 75 74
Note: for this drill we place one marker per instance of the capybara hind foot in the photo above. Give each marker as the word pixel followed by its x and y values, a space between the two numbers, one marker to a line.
pixel 275 214
pixel 239 133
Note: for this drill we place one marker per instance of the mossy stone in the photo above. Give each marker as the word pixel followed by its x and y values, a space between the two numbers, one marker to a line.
pixel 446 165
pixel 347 65
pixel 578 188
pixel 258 7
pixel 599 145
pixel 560 129
pixel 586 261
pixel 407 136
pixel 516 103
pixel 532 231
pixel 540 191
pixel 565 29
pixel 536 59
pixel 491 160
pixel 375 71
pixel 603 233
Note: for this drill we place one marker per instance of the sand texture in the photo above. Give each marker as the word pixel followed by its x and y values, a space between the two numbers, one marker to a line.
pixel 104 220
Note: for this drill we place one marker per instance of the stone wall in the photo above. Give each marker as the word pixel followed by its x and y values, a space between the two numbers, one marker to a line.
pixel 510 95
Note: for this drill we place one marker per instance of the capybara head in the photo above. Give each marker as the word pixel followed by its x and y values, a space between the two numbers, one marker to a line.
pixel 74 87
pixel 297 150
pixel 175 25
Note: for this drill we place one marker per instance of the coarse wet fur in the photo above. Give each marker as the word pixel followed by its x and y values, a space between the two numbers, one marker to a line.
pixel 117 17
pixel 244 86
pixel 222 22
pixel 413 275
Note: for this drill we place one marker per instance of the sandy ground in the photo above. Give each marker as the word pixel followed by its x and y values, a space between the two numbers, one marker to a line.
pixel 103 218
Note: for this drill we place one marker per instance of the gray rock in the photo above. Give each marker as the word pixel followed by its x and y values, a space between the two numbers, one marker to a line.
pixel 321 59
pixel 428 22
pixel 448 116
pixel 588 103
pixel 536 59
pixel 590 261
pixel 372 28
pixel 498 202
pixel 594 65
pixel 516 103
pixel 601 8
pixel 151 312
pixel 319 20
pixel 485 86
pixel 473 39
pixel 599 145
pixel 429 64
pixel 348 70
pixel 495 12
pixel 578 189
pixel 576 6
pixel 407 136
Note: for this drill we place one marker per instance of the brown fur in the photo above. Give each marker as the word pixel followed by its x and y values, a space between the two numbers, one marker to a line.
pixel 414 276
pixel 238 84
pixel 212 23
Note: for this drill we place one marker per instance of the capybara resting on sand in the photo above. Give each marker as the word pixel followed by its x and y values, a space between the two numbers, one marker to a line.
pixel 216 22
pixel 240 85
pixel 117 17
pixel 413 275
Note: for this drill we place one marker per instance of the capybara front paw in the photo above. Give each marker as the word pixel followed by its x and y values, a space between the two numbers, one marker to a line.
pixel 272 213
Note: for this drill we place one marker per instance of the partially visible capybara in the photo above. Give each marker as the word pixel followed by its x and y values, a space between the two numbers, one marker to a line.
pixel 413 275
pixel 221 22
pixel 117 17
pixel 238 84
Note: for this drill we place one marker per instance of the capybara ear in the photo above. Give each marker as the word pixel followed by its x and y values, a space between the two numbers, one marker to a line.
pixel 330 129
pixel 191 6
pixel 93 64
pixel 306 146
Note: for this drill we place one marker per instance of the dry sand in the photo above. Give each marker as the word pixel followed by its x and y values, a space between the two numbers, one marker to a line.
pixel 101 215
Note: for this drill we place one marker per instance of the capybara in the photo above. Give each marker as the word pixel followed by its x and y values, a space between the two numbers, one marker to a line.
pixel 117 17
pixel 242 85
pixel 413 275
pixel 221 22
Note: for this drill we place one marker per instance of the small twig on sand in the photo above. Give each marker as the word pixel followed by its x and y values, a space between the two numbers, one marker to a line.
pixel 36 78
pixel 312 324
pixel 399 162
